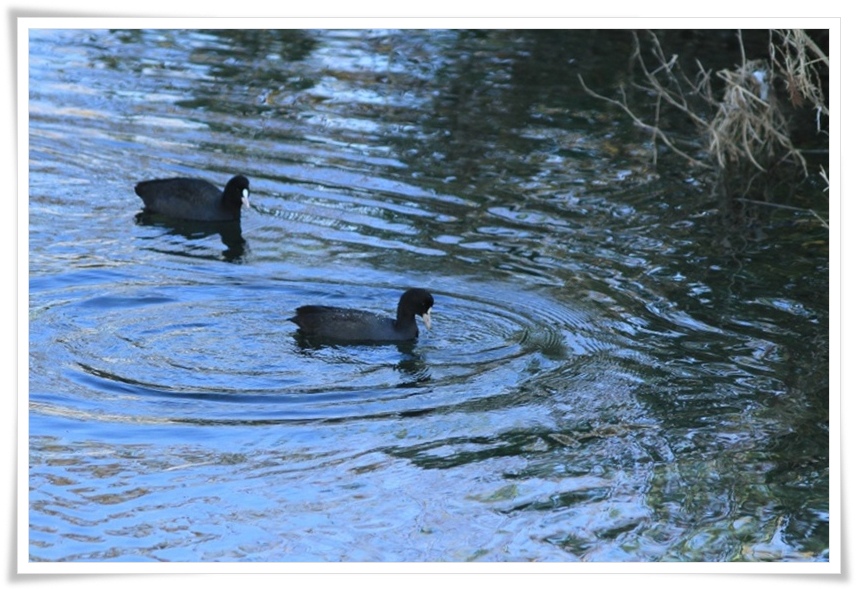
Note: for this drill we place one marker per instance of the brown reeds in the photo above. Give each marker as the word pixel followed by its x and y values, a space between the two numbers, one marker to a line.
pixel 743 130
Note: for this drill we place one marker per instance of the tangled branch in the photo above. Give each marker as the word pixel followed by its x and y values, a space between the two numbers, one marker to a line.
pixel 744 128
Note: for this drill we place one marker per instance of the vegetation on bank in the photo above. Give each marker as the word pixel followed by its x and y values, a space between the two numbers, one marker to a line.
pixel 746 116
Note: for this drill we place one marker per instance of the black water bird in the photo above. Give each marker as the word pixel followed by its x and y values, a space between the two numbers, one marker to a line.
pixel 352 325
pixel 195 200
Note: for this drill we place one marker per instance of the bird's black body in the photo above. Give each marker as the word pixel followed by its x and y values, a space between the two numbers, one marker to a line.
pixel 193 199
pixel 352 325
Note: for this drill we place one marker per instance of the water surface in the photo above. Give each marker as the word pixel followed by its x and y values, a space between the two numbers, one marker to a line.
pixel 615 372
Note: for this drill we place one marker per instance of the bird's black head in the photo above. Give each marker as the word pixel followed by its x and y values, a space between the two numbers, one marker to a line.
pixel 237 193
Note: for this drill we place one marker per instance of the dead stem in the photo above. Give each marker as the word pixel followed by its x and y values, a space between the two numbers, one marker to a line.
pixel 781 206
pixel 622 104
pixel 745 128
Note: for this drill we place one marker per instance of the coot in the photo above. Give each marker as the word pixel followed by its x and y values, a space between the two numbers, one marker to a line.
pixel 195 200
pixel 351 325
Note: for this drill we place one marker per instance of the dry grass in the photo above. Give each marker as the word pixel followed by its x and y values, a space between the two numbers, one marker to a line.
pixel 744 131
pixel 749 125
pixel 798 58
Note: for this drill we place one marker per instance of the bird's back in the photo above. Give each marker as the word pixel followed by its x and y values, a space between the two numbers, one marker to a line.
pixel 184 198
pixel 341 324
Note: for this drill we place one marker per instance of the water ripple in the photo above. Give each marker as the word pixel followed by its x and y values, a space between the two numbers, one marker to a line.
pixel 224 354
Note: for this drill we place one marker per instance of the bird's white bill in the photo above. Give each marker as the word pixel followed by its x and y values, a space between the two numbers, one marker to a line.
pixel 427 319
pixel 245 198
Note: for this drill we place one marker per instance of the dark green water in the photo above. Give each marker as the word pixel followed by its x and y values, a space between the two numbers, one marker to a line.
pixel 615 373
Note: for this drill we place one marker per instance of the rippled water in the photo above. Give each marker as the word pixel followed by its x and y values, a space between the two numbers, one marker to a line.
pixel 614 374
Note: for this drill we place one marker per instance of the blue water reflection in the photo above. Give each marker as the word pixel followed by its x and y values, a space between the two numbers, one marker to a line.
pixel 609 378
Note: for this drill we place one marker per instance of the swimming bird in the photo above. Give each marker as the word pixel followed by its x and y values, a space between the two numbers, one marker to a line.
pixel 195 200
pixel 353 325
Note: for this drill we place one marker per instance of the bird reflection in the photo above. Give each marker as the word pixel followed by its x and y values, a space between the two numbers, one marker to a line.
pixel 412 363
pixel 229 232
